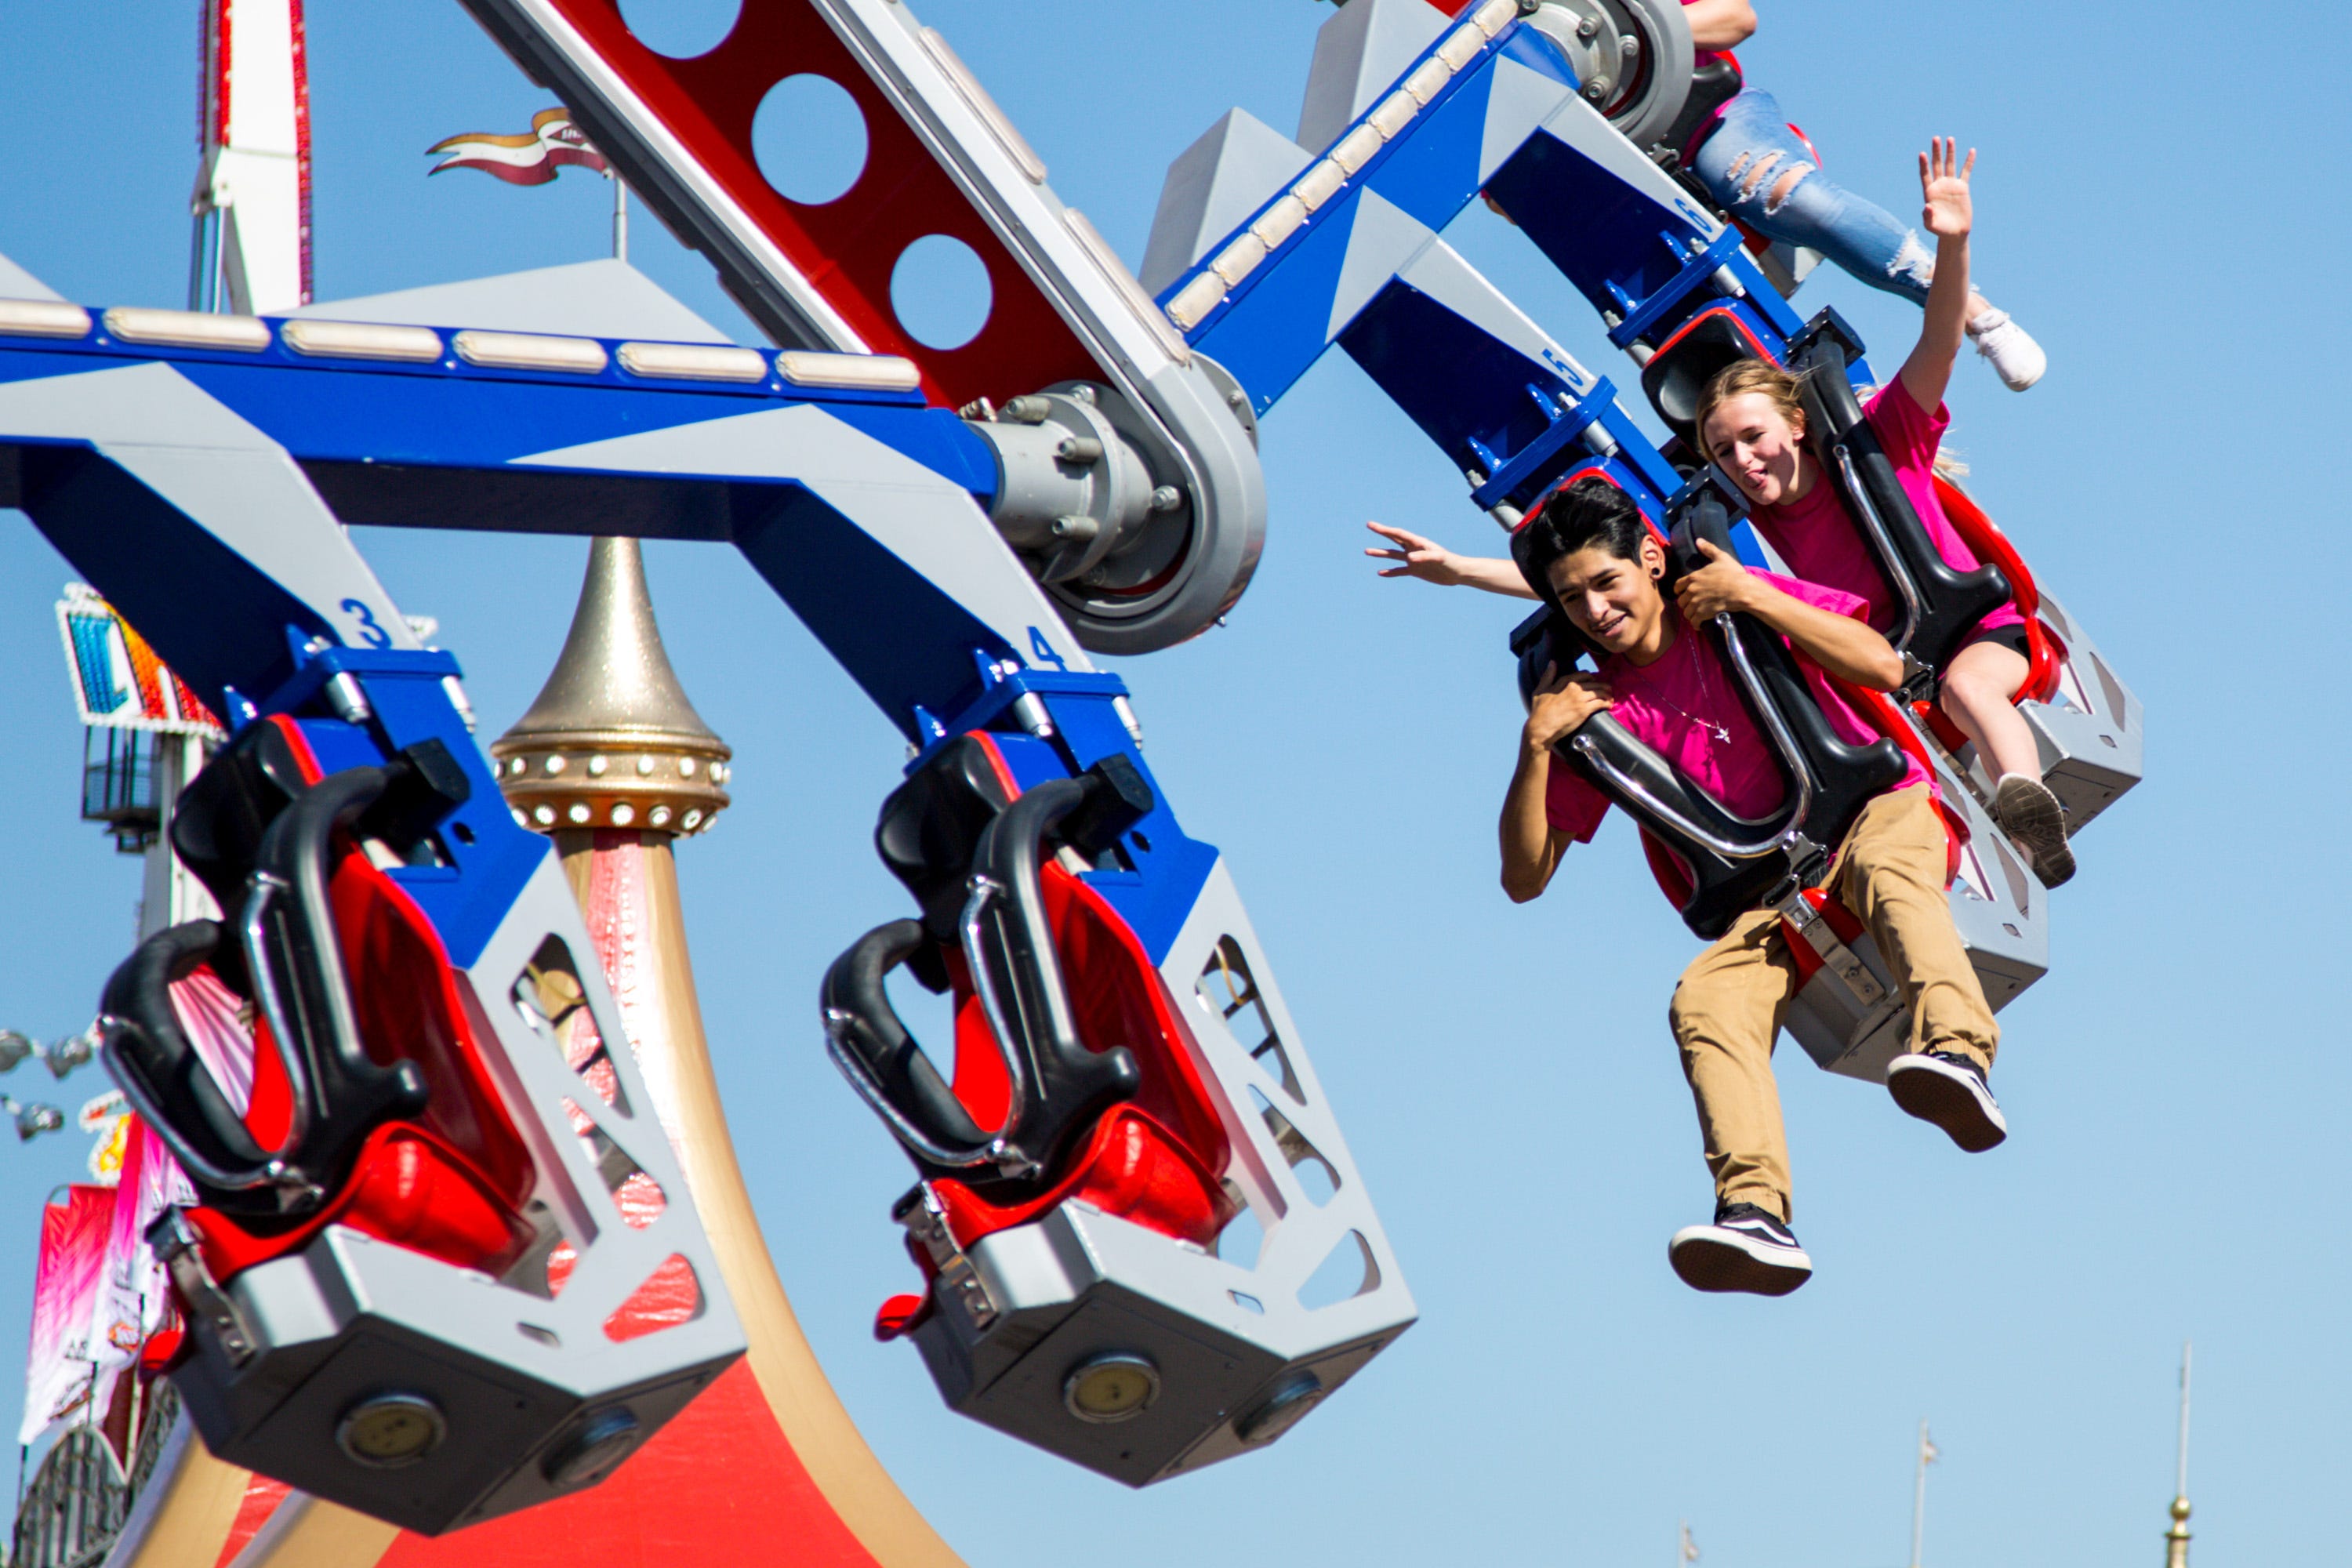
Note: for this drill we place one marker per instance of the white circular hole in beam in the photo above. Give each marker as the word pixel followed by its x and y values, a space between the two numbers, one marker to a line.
pixel 808 137
pixel 680 29
pixel 940 292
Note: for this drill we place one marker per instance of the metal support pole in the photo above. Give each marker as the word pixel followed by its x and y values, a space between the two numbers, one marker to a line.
pixel 1919 1496
pixel 204 260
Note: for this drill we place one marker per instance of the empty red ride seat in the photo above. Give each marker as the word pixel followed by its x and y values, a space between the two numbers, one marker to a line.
pixel 1156 1159
pixel 453 1182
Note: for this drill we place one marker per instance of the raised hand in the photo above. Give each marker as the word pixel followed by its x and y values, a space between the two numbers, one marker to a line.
pixel 1943 186
pixel 1416 557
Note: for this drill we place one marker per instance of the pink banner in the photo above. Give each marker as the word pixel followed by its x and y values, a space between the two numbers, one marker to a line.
pixel 131 1297
pixel 134 1298
pixel 58 1364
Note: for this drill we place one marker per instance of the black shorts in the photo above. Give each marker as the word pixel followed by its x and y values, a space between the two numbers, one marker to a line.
pixel 2011 638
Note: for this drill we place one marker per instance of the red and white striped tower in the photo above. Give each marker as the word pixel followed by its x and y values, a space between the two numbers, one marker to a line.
pixel 251 253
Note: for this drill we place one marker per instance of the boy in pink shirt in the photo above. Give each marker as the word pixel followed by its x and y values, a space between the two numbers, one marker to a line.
pixel 1589 552
pixel 1724 754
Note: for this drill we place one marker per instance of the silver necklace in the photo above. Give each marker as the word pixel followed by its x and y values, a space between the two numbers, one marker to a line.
pixel 1706 686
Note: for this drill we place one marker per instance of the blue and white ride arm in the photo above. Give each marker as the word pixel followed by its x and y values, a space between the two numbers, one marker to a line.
pixel 871 514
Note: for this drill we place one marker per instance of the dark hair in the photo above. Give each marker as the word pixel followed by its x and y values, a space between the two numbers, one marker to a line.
pixel 1588 513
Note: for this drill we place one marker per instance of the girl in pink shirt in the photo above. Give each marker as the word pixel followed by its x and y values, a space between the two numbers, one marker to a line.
pixel 1751 424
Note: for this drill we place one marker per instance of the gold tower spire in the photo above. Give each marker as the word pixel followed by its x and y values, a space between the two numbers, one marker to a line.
pixel 612 740
pixel 781 1429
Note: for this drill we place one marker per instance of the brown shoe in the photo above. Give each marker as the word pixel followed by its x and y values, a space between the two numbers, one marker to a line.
pixel 2036 824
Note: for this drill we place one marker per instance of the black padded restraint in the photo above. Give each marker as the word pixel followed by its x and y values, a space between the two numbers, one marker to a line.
pixel 290 942
pixel 859 1015
pixel 1950 602
pixel 968 853
pixel 1678 373
pixel 166 1081
pixel 1714 82
pixel 269 846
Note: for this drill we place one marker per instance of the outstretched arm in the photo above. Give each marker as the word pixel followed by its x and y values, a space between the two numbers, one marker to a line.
pixel 1433 562
pixel 1948 215
pixel 1844 647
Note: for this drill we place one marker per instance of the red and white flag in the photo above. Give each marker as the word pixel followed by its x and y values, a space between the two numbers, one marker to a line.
pixel 552 144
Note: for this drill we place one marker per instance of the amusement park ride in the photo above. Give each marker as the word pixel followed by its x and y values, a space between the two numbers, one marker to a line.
pixel 414 1278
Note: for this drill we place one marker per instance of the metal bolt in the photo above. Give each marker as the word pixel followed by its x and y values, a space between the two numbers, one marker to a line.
pixel 1629 45
pixel 1079 450
pixel 1586 28
pixel 1075 528
pixel 1596 91
pixel 1167 498
pixel 344 696
pixel 1030 710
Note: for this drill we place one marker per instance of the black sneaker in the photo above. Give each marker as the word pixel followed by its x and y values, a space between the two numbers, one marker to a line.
pixel 1745 1249
pixel 2036 823
pixel 1948 1090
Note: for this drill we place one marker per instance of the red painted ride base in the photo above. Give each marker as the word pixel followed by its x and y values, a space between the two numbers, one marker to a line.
pixel 719 1484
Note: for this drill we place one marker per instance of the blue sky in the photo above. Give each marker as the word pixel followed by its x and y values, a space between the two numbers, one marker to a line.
pixel 1504 1073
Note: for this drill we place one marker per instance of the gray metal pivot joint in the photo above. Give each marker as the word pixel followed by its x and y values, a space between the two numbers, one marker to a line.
pixel 1077 494
pixel 1633 56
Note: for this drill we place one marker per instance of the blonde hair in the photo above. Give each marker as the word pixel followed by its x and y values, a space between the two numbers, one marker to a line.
pixel 1783 389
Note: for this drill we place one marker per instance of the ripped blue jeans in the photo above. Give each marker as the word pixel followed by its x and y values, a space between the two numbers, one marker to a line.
pixel 1745 163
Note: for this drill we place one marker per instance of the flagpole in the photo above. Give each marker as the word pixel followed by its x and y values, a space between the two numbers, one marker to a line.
pixel 620 217
pixel 2176 1539
pixel 2180 1486
pixel 1919 1496
pixel 130 1428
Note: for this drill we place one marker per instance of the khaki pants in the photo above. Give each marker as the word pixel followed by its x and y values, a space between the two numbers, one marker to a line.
pixel 1728 1009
